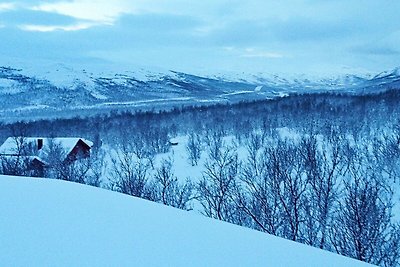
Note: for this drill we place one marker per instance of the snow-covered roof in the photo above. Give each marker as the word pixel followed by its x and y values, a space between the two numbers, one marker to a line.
pixel 9 147
pixel 23 158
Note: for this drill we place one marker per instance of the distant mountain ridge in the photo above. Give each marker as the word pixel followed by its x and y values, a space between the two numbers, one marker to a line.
pixel 59 88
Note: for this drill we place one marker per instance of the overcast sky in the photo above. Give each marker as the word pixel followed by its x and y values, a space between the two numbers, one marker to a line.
pixel 286 36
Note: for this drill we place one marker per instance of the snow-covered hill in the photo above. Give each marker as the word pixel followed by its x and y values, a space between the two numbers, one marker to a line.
pixel 54 223
pixel 57 89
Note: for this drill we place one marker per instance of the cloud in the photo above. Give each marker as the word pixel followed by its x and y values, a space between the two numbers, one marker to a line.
pixel 262 54
pixel 251 52
pixel 257 53
pixel 51 28
pixel 302 34
pixel 7 6
pixel 375 50
pixel 68 16
pixel 30 17
pixel 98 12
pixel 27 19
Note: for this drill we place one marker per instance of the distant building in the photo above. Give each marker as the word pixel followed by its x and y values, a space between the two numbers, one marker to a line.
pixel 173 142
pixel 34 150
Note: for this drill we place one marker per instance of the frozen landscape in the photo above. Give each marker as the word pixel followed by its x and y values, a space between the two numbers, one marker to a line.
pixel 199 133
pixel 288 164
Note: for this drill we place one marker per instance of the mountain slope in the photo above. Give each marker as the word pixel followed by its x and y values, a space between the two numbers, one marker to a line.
pixel 53 223
pixel 60 91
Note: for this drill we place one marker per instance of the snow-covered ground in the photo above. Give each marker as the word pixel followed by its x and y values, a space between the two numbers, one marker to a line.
pixel 48 222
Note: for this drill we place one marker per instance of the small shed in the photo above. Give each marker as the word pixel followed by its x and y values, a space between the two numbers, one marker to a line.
pixel 173 142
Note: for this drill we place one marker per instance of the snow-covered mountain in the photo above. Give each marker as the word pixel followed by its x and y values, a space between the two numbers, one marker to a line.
pixel 59 89
pixel 49 222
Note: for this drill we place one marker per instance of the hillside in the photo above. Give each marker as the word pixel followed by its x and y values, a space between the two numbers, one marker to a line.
pixel 60 90
pixel 53 223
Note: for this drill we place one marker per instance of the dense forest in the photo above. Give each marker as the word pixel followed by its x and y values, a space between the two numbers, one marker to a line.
pixel 310 112
pixel 331 183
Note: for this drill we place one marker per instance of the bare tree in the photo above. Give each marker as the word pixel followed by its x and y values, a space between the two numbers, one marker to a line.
pixel 216 189
pixel 257 198
pixel 385 155
pixel 275 190
pixel 290 186
pixel 324 168
pixel 54 158
pixel 214 142
pixel 129 173
pixel 170 191
pixel 364 227
pixel 254 144
pixel 97 167
pixel 19 161
pixel 193 148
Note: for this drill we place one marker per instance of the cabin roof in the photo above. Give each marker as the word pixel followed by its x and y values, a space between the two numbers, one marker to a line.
pixel 30 158
pixel 9 147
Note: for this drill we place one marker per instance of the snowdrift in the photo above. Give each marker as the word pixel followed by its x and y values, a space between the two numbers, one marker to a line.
pixel 54 223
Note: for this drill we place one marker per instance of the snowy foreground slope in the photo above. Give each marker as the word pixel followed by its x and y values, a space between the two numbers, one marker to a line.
pixel 54 223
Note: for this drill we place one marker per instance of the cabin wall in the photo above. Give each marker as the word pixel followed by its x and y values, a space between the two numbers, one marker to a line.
pixel 81 150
